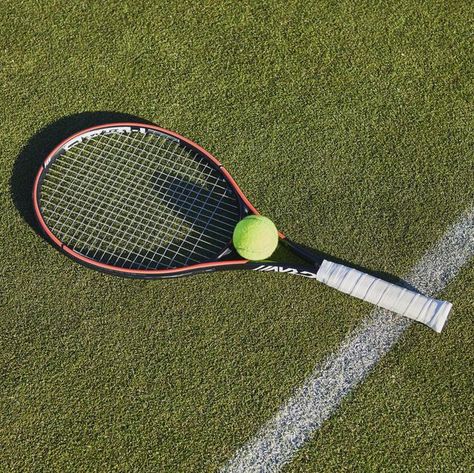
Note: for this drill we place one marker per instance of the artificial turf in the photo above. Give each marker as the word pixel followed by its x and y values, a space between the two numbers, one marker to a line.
pixel 347 123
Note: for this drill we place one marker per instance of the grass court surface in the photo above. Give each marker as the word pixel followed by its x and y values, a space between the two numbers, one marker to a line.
pixel 347 123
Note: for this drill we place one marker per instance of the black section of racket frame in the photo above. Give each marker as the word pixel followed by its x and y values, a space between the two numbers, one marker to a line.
pixel 267 266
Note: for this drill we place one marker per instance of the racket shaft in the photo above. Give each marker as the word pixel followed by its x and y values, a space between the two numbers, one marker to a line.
pixel 406 302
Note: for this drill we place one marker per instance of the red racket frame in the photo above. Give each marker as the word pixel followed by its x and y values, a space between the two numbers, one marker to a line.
pixel 141 273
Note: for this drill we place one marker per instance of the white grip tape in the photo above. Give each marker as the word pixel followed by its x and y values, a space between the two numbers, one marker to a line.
pixel 413 305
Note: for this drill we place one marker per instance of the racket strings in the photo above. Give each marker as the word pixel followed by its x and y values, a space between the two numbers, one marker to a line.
pixel 138 201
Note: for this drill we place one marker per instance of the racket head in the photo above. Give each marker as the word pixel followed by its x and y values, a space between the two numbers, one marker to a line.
pixel 139 200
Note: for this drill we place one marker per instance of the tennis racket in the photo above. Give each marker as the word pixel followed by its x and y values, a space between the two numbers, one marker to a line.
pixel 141 201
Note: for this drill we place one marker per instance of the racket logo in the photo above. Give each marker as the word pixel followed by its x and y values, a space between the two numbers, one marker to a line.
pixel 283 269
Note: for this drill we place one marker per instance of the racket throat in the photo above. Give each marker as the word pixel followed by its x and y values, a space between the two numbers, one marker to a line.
pixel 286 269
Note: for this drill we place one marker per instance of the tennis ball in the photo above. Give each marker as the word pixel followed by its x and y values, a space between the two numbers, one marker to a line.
pixel 255 237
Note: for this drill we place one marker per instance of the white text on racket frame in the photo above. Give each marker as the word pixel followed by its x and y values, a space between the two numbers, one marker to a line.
pixel 283 269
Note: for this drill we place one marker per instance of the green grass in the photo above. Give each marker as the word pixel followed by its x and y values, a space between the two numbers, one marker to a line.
pixel 348 123
pixel 414 413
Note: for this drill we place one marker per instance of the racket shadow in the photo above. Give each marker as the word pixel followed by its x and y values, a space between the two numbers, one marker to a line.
pixel 283 254
pixel 40 144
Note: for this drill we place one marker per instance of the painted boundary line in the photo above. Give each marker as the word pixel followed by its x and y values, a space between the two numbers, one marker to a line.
pixel 316 400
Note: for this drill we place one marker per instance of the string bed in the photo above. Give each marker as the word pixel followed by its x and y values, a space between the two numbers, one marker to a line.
pixel 138 201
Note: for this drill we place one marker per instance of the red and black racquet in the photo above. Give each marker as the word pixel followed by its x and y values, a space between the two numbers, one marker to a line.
pixel 140 201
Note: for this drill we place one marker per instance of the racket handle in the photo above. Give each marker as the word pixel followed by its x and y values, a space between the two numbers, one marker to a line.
pixel 406 302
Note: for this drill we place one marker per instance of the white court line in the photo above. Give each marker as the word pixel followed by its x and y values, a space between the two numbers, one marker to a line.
pixel 316 400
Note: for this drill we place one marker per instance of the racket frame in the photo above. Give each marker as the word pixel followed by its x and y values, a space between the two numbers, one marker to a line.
pixel 346 279
pixel 228 259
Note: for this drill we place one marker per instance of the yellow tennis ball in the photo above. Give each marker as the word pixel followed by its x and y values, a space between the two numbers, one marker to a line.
pixel 255 237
